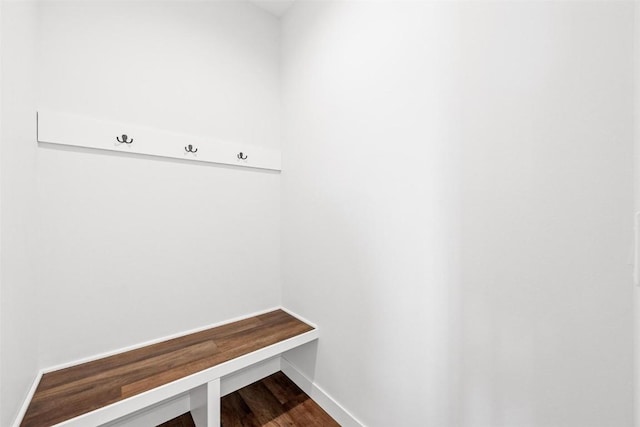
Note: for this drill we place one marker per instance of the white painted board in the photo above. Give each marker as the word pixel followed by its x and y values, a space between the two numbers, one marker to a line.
pixel 81 131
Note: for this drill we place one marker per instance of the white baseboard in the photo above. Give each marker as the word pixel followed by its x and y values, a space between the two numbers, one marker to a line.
pixel 27 399
pixel 321 397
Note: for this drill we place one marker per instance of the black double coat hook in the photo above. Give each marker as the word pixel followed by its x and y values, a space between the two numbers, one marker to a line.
pixel 124 139
pixel 242 156
pixel 189 149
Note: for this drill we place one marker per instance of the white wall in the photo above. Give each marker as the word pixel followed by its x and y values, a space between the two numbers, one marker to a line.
pixel 135 248
pixel 18 223
pixel 371 202
pixel 456 197
pixel 547 167
pixel 439 159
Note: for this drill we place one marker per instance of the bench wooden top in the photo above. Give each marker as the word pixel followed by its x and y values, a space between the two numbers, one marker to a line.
pixel 68 393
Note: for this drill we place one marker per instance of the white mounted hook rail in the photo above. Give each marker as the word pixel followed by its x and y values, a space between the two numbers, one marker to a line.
pixel 80 131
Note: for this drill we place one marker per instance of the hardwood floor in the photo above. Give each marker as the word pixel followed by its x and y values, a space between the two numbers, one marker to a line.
pixel 70 392
pixel 184 420
pixel 272 402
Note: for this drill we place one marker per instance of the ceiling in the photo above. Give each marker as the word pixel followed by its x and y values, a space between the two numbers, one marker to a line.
pixel 275 7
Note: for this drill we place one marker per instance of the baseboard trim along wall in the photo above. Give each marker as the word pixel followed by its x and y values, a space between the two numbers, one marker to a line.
pixel 27 399
pixel 321 397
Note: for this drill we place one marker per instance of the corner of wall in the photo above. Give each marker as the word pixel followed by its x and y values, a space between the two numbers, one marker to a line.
pixel 18 333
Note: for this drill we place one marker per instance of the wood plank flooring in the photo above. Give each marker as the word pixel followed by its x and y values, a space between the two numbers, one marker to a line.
pixel 74 391
pixel 274 401
pixel 184 420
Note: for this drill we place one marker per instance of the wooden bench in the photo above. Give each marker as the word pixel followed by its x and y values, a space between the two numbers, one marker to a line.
pixel 110 388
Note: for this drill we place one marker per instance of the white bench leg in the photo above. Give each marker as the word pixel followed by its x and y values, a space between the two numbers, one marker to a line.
pixel 213 401
pixel 205 404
